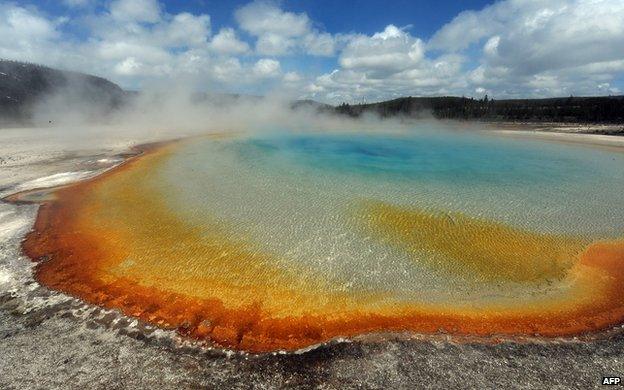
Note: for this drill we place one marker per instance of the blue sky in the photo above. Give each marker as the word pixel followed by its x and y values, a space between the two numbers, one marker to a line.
pixel 365 16
pixel 331 51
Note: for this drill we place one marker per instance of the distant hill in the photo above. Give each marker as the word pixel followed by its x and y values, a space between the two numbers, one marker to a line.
pixel 604 109
pixel 307 103
pixel 23 85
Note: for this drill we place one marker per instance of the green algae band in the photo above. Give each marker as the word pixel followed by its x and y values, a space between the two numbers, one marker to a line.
pixel 284 241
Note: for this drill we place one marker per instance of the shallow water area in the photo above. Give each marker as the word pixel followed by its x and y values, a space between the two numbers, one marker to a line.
pixel 284 240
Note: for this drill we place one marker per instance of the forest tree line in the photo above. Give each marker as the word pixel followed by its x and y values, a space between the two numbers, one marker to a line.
pixel 604 109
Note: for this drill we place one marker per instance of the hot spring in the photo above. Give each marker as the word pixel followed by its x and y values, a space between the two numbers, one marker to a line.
pixel 281 240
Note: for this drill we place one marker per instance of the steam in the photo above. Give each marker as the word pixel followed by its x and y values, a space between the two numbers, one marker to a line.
pixel 177 107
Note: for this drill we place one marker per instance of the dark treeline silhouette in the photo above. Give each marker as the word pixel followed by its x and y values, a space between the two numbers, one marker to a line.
pixel 23 84
pixel 605 109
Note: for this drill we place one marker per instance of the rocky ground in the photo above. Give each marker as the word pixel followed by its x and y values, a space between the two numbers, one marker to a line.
pixel 46 352
pixel 616 129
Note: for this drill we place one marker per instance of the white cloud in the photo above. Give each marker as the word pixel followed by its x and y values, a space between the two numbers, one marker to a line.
pixel 387 64
pixel 138 48
pixel 136 10
pixel 25 25
pixel 540 46
pixel 274 44
pixel 261 17
pixel 524 48
pixel 512 48
pixel 466 28
pixel 266 67
pixel 319 44
pixel 281 33
pixel 387 51
pixel 560 35
pixel 26 34
pixel 131 50
pixel 438 76
pixel 171 31
pixel 184 29
pixel 226 42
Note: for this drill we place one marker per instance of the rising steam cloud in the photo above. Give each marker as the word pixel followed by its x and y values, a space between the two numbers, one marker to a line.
pixel 175 106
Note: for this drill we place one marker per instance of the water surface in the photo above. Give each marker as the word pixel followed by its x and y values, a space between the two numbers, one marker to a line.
pixel 284 239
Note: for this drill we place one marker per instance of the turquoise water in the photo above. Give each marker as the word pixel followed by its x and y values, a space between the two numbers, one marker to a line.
pixel 544 186
pixel 465 158
pixel 292 194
